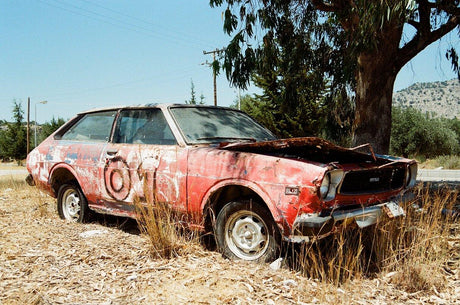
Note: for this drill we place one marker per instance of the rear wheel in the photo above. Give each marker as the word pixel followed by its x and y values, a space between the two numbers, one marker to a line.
pixel 246 230
pixel 72 204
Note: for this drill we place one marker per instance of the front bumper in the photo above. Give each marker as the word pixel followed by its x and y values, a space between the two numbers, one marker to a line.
pixel 308 225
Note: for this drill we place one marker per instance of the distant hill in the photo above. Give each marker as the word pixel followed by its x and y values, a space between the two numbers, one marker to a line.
pixel 440 98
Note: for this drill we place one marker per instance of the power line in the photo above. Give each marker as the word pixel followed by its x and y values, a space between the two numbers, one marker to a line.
pixel 181 35
pixel 184 40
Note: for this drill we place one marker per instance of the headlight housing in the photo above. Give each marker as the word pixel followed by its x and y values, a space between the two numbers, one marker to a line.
pixel 324 188
pixel 330 183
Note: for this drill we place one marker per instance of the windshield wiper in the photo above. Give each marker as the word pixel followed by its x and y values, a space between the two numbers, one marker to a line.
pixel 228 138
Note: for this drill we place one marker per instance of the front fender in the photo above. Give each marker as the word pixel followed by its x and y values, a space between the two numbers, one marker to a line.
pixel 254 187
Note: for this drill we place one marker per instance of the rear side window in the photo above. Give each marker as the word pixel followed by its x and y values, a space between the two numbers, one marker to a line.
pixel 143 126
pixel 92 127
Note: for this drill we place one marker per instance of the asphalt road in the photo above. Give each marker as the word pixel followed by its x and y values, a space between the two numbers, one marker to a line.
pixel 11 172
pixel 438 175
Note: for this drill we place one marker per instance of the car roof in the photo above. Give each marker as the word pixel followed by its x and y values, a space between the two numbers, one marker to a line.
pixel 151 105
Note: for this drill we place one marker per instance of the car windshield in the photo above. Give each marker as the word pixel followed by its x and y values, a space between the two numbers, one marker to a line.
pixel 213 125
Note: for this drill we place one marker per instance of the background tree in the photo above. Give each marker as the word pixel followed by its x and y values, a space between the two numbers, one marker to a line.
pixel 193 100
pixel 361 42
pixel 49 127
pixel 293 93
pixel 415 134
pixel 13 141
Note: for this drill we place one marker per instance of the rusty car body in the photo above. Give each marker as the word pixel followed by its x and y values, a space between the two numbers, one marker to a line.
pixel 229 174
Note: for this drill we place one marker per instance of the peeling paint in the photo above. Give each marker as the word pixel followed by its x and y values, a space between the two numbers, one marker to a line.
pixel 286 175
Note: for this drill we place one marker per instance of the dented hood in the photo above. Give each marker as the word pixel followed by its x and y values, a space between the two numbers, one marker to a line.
pixel 309 148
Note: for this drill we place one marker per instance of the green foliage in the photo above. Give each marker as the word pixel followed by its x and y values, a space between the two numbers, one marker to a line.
pixel 454 125
pixel 338 126
pixel 300 123
pixel 293 65
pixel 193 100
pixel 280 34
pixel 452 55
pixel 49 127
pixel 416 134
pixel 295 47
pixel 13 141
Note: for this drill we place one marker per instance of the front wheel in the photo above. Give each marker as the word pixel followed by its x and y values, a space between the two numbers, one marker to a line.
pixel 246 230
pixel 72 204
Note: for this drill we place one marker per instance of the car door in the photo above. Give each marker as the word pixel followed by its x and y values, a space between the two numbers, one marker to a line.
pixel 143 162
pixel 80 146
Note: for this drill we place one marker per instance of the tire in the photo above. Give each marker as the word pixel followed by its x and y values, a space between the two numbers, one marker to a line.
pixel 246 230
pixel 72 204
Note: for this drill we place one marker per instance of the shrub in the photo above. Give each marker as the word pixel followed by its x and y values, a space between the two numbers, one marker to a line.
pixel 415 134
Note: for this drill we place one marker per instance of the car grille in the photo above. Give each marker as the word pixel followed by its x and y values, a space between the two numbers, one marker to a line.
pixel 373 181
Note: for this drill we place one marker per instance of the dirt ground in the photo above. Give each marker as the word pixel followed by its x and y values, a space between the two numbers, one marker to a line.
pixel 45 260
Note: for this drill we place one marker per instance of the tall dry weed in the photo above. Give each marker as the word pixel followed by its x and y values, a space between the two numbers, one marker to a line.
pixel 412 248
pixel 168 235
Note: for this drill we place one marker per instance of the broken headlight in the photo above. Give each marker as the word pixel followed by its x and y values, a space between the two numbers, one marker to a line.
pixel 411 175
pixel 330 183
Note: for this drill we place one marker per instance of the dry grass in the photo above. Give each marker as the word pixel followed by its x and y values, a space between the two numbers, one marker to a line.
pixel 166 232
pixel 45 260
pixel 415 250
pixel 13 165
pixel 446 162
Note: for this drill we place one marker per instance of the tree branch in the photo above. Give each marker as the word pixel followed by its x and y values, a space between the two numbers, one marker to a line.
pixel 424 13
pixel 450 9
pixel 421 41
pixel 323 6
pixel 333 5
pixel 414 23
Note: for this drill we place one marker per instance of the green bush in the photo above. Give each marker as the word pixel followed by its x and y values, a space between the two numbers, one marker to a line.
pixel 416 134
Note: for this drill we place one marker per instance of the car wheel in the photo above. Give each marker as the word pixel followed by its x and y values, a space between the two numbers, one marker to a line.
pixel 246 230
pixel 72 204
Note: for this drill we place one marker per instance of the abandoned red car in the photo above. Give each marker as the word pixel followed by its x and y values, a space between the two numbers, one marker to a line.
pixel 220 168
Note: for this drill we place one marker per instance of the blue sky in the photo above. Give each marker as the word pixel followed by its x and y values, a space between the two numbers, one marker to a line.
pixel 80 54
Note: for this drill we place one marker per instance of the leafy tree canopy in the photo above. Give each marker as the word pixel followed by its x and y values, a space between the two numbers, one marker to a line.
pixel 49 127
pixel 356 45
pixel 13 141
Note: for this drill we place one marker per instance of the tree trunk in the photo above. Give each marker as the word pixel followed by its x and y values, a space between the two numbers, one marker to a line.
pixel 374 94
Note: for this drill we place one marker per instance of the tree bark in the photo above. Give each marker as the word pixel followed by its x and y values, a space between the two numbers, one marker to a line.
pixel 374 95
pixel 375 79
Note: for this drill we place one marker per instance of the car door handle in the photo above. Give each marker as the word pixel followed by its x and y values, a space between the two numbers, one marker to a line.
pixel 111 152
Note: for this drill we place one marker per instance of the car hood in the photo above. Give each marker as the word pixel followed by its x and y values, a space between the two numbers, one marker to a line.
pixel 312 149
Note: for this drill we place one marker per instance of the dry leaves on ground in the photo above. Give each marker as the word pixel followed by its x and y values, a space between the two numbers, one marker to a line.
pixel 45 260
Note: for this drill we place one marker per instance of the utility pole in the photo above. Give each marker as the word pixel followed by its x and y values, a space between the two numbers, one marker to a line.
pixel 216 51
pixel 28 128
pixel 42 102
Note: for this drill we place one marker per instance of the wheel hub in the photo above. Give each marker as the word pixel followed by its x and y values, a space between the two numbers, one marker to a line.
pixel 248 236
pixel 72 206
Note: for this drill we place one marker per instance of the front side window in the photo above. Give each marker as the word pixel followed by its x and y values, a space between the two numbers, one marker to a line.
pixel 143 126
pixel 92 127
